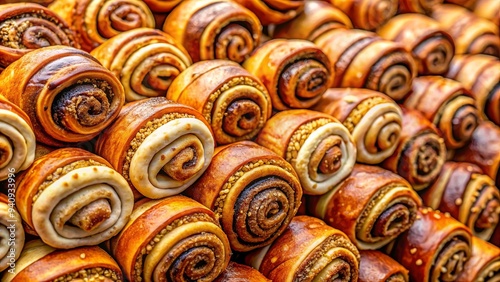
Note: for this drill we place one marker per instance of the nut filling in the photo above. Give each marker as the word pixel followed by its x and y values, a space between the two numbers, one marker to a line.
pixel 91 274
pixel 300 136
pixel 359 112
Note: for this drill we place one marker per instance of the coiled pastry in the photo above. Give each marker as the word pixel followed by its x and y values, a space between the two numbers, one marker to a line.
pixel 162 6
pixel 68 96
pixel 418 6
pixel 376 266
pixel 240 272
pixel 146 60
pixel 484 264
pixel 11 228
pixel 274 11
pixel 368 14
pixel 159 146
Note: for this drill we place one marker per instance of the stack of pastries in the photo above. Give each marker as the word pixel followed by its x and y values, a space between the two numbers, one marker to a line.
pixel 250 140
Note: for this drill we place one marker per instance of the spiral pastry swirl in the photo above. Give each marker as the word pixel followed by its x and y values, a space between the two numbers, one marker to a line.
pixel 446 103
pixel 68 96
pixel 28 26
pixel 234 102
pixel 375 266
pixel 17 140
pixel 214 29
pixel 432 47
pixel 373 119
pixel 295 72
pixel 368 14
pixel 471 34
pixel 253 192
pixel 481 75
pixel 274 11
pixel 484 264
pixel 146 61
pixel 467 195
pixel 308 250
pixel 172 239
pixel 72 198
pixel 372 206
pixel 40 262
pixel 159 146
pixel 320 148
pixel 95 21
pixel 440 259
pixel 418 6
pixel 421 152
pixel 361 59
pixel 11 230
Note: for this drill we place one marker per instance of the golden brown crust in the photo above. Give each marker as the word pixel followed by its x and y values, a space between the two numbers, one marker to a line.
pixel 214 29
pixel 418 6
pixel 361 59
pixel 376 266
pixel 274 11
pixel 241 273
pixel 421 152
pixel 441 258
pixel 162 6
pixel 372 206
pixel 484 264
pixel 68 96
pixel 488 9
pixel 254 193
pixel 368 14
pixel 447 104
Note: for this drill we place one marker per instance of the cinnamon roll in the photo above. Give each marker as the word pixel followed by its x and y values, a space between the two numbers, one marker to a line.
pixel 373 119
pixel 273 11
pixel 146 60
pixel 96 21
pixel 368 14
pixel 172 239
pixel 421 152
pixel 17 139
pixel 319 147
pixel 11 229
pixel 483 150
pixel 309 250
pixel 484 264
pixel 295 72
pixel 214 29
pixel 471 34
pixel 234 102
pixel 68 96
pixel 435 248
pixel 317 18
pixel 376 266
pixel 240 272
pixel 372 206
pixel 28 26
pixel 73 198
pixel 159 146
pixel 254 193
pixel 447 104
pixel 481 75
pixel 432 47
pixel 361 59
pixel 40 262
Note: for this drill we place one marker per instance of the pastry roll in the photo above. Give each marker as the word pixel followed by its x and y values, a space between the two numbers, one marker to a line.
pixel 432 47
pixel 472 34
pixel 372 206
pixel 11 228
pixel 295 72
pixel 17 139
pixel 28 26
pixel 146 60
pixel 376 266
pixel 361 59
pixel 40 262
pixel 273 11
pixel 483 150
pixel 214 29
pixel 447 104
pixel 488 9
pixel 162 6
pixel 436 247
pixel 317 18
pixel 484 264
pixel 481 75
pixel 159 146
pixel 254 193
pixel 467 195
pixel 373 119
pixel 68 96
pixel 96 21
pixel 421 152
pixel 368 14
pixel 242 273
pixel 172 239
pixel 418 6
pixel 319 147
pixel 234 102
pixel 469 4
pixel 73 198
pixel 308 250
